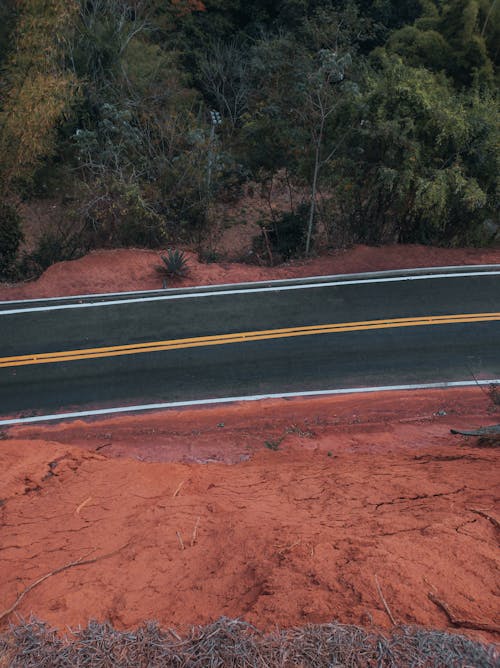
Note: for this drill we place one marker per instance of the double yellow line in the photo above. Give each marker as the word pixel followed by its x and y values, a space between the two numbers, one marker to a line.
pixel 241 337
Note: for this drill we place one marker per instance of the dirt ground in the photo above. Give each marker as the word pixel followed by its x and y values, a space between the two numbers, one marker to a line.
pixel 278 513
pixel 129 269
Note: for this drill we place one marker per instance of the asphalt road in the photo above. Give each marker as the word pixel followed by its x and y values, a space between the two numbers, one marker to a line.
pixel 359 355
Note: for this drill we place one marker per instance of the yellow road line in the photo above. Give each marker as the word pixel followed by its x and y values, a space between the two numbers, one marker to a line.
pixel 241 337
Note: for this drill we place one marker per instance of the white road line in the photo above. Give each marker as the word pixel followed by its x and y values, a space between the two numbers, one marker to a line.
pixel 254 397
pixel 278 288
pixel 93 295
pixel 467 268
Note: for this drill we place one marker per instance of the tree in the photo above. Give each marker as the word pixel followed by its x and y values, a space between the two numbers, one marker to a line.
pixel 224 76
pixel 39 88
pixel 7 22
pixel 303 108
pixel 323 88
pixel 422 163
pixel 456 37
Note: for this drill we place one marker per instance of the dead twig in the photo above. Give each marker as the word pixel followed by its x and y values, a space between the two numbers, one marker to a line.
pixel 79 562
pixel 179 537
pixel 287 548
pixel 232 642
pixel 178 489
pixel 175 634
pixel 82 505
pixel 487 516
pixel 195 532
pixel 463 623
pixel 100 447
pixel 83 561
pixel 387 609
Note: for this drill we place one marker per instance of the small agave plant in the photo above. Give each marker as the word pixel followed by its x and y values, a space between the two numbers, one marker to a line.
pixel 174 264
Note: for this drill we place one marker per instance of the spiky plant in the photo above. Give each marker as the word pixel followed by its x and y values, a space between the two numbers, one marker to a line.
pixel 174 264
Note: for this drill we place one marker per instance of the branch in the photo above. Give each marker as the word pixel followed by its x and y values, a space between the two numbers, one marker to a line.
pixel 484 514
pixel 83 561
pixel 387 609
pixel 488 17
pixel 464 623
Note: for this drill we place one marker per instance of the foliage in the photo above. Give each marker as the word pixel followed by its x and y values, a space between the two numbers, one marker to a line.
pixel 11 237
pixel 417 169
pixel 456 36
pixel 224 77
pixel 174 264
pixel 208 256
pixel 286 235
pixel 56 245
pixel 39 89
pixel 384 116
pixel 7 22
pixel 117 214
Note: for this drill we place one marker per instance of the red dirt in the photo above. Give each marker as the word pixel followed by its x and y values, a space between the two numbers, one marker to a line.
pixel 127 269
pixel 361 486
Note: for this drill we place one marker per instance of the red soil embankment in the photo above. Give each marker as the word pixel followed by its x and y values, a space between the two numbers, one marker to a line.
pixel 128 269
pixel 360 489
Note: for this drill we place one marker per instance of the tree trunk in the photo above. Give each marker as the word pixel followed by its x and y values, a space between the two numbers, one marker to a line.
pixel 312 208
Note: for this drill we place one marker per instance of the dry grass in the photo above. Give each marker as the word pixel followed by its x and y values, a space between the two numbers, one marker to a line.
pixel 232 643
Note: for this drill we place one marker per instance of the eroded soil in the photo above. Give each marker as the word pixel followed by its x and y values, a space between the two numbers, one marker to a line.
pixel 302 507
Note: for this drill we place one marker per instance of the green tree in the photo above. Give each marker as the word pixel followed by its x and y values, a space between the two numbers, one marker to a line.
pixel 39 89
pixel 456 37
pixel 7 21
pixel 324 88
pixel 139 140
pixel 304 100
pixel 422 165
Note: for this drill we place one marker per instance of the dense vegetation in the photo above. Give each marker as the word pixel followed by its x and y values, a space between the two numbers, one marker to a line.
pixel 140 115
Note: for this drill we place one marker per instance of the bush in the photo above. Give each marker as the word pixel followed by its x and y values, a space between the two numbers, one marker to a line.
pixel 52 247
pixel 286 237
pixel 209 256
pixel 11 237
pixel 174 264
pixel 121 217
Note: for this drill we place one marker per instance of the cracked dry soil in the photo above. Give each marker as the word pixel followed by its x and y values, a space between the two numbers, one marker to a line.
pixel 359 491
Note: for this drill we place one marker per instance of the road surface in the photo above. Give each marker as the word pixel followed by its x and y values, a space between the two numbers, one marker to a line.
pixel 314 335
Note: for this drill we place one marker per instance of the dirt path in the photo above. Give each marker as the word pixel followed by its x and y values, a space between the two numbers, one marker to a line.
pixel 323 498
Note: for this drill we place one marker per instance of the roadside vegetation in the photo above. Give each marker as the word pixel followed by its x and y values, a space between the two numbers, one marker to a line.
pixel 234 643
pixel 140 117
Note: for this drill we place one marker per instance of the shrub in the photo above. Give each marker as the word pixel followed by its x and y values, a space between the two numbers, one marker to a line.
pixel 11 237
pixel 55 247
pixel 208 256
pixel 122 217
pixel 286 237
pixel 174 264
